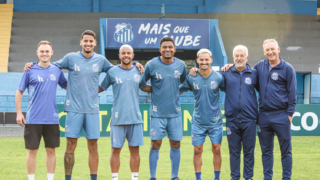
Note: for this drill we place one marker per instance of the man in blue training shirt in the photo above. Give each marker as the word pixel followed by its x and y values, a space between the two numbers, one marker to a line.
pixel 277 100
pixel 126 116
pixel 42 117
pixel 166 73
pixel 207 118
pixel 82 102
pixel 241 111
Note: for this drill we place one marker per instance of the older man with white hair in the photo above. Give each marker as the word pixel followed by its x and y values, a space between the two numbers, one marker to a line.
pixel 207 118
pixel 241 111
pixel 277 100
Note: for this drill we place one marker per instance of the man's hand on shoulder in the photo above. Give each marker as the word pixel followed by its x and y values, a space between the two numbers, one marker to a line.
pixel 226 67
pixel 27 66
pixel 193 71
pixel 140 67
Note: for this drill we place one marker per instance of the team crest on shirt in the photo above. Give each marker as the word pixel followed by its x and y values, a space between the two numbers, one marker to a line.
pixel 123 33
pixel 258 128
pixel 228 131
pixel 213 85
pixel 95 67
pixel 274 76
pixel 247 80
pixel 136 78
pixel 53 77
pixel 176 74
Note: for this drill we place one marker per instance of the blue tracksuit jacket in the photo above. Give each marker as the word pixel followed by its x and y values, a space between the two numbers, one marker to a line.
pixel 241 100
pixel 278 87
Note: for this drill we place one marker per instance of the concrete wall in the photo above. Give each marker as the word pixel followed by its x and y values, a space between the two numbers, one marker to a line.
pixel 176 6
pixel 10 82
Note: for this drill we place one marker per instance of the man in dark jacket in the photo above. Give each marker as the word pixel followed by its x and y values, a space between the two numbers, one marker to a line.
pixel 241 111
pixel 277 100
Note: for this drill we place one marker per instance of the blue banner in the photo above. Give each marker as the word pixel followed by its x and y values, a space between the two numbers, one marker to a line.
pixel 147 33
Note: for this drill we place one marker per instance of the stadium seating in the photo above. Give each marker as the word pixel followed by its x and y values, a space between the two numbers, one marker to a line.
pixel 6 12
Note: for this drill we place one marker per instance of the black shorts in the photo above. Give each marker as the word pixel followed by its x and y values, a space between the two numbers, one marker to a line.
pixel 33 133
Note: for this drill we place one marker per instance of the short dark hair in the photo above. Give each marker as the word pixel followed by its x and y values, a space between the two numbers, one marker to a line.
pixel 44 42
pixel 88 32
pixel 167 38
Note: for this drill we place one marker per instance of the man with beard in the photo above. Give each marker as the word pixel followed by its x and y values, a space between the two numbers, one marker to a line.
pixel 241 111
pixel 81 102
pixel 207 118
pixel 126 116
pixel 277 100
pixel 166 72
pixel 42 117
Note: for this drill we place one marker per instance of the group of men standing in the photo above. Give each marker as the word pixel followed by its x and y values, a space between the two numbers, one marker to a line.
pixel 273 78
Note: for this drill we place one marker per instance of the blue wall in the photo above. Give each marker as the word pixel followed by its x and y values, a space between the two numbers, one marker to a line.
pixel 10 81
pixel 176 6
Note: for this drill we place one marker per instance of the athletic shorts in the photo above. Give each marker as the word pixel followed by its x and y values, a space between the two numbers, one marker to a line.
pixel 133 133
pixel 76 121
pixel 199 135
pixel 173 126
pixel 33 133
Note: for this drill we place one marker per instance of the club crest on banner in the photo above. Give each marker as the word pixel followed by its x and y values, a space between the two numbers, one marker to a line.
pixel 123 33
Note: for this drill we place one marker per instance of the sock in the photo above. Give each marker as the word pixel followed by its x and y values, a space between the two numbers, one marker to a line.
pixel 68 177
pixel 114 176
pixel 198 175
pixel 175 162
pixel 93 176
pixel 216 174
pixel 50 176
pixel 153 161
pixel 134 175
pixel 31 176
pixel 153 179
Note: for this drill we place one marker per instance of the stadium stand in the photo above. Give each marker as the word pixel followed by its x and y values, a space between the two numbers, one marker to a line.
pixel 6 12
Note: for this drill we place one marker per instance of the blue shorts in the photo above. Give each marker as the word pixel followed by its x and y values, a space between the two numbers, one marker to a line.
pixel 173 126
pixel 133 133
pixel 89 122
pixel 199 135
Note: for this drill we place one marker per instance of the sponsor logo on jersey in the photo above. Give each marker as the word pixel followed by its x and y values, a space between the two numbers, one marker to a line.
pixel 123 33
pixel 178 108
pixel 95 67
pixel 53 77
pixel 213 85
pixel 274 76
pixel 176 74
pixel 158 76
pixel 40 78
pixel 118 80
pixel 228 131
pixel 68 102
pixel 195 86
pixel 247 80
pixel 154 108
pixel 76 68
pixel 136 78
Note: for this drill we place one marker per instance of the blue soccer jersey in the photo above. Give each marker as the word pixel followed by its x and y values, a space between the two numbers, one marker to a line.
pixel 207 113
pixel 42 85
pixel 125 86
pixel 165 81
pixel 83 81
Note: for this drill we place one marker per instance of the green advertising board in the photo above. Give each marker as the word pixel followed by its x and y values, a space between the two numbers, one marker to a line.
pixel 305 120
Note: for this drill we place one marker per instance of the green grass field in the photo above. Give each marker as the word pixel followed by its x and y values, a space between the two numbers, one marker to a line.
pixel 306 160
